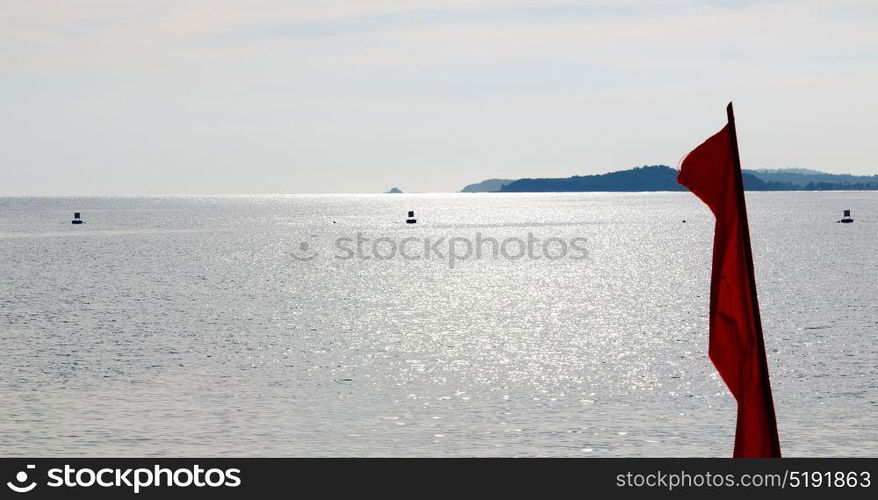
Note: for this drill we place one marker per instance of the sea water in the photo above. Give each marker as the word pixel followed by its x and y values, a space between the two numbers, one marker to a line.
pixel 240 325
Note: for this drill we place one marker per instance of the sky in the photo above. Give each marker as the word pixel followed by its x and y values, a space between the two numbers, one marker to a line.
pixel 134 97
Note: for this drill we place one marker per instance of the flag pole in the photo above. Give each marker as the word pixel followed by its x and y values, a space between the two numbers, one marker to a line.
pixel 757 320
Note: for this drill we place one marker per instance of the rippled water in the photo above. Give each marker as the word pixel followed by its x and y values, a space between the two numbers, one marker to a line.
pixel 188 326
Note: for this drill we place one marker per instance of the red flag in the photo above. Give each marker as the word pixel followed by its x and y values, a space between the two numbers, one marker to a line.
pixel 712 171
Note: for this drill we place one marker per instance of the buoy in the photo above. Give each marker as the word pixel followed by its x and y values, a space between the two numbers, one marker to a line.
pixel 411 219
pixel 847 217
pixel 76 218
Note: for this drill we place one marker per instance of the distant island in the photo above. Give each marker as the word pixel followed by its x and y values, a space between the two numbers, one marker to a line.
pixel 664 178
pixel 394 191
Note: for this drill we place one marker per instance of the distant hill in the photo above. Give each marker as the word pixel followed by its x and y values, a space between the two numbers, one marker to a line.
pixel 647 178
pixel 804 179
pixel 664 178
pixel 486 186
pixel 797 171
pixel 394 191
pixel 650 178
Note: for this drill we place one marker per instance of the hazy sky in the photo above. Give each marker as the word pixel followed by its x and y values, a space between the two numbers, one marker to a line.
pixel 287 96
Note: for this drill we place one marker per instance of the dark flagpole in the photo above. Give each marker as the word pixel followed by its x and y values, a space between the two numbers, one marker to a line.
pixel 757 320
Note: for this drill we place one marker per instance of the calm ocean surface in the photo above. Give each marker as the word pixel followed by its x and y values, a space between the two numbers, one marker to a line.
pixel 187 326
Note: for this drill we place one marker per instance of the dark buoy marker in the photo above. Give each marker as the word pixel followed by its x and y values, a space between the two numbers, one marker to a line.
pixel 411 219
pixel 76 218
pixel 846 219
